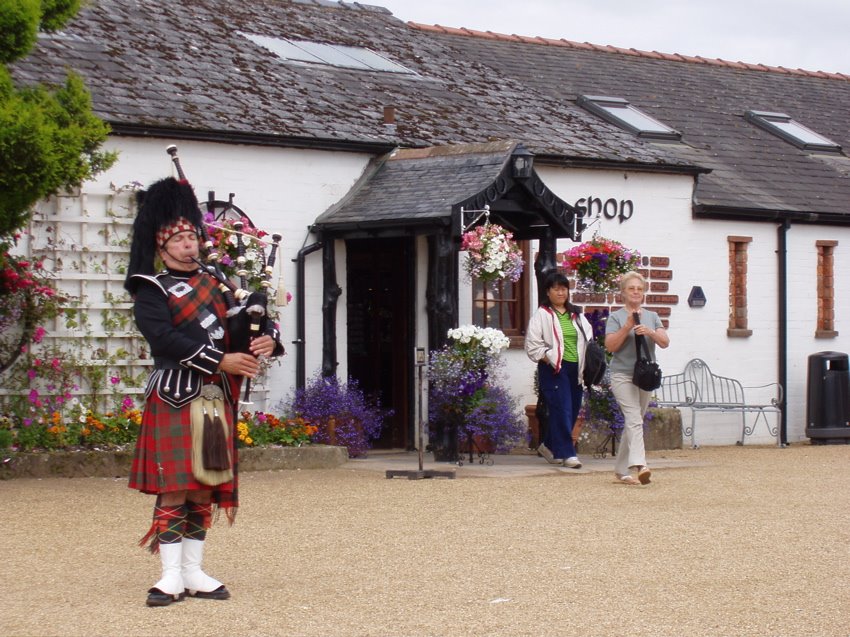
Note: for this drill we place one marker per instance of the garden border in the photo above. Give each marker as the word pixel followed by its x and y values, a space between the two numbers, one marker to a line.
pixel 116 464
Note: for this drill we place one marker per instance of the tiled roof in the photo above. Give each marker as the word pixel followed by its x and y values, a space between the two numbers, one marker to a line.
pixel 706 100
pixel 414 190
pixel 184 66
pixel 419 186
pixel 183 70
pixel 655 55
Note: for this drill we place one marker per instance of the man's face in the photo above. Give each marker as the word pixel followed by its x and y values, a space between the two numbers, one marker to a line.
pixel 180 250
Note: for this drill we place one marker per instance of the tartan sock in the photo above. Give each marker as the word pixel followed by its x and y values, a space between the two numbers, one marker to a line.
pixel 198 520
pixel 168 527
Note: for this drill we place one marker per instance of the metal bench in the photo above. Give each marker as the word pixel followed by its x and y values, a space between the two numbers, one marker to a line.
pixel 699 389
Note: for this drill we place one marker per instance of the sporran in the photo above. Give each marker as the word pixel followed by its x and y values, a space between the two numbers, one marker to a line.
pixel 212 456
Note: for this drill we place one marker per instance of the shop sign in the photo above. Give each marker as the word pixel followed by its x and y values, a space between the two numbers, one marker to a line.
pixel 609 208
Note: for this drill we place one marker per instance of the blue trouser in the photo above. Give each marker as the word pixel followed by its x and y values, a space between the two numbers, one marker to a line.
pixel 562 395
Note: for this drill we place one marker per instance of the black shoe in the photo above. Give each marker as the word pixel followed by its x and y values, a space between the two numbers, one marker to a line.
pixel 220 593
pixel 157 598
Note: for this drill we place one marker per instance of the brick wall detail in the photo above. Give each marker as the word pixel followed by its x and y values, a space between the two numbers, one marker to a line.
pixel 658 274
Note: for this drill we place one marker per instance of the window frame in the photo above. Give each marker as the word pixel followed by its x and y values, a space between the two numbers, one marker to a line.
pixel 768 121
pixel 738 258
pixel 825 327
pixel 516 334
pixel 340 56
pixel 601 105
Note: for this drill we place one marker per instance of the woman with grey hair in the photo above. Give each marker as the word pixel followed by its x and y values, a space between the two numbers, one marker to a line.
pixel 620 330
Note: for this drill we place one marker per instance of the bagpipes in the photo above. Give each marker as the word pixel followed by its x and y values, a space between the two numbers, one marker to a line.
pixel 239 299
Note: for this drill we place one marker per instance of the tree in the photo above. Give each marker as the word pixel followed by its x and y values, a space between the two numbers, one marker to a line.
pixel 49 140
pixel 49 137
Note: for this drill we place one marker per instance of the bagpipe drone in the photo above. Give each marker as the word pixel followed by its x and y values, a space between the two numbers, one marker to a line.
pixel 229 223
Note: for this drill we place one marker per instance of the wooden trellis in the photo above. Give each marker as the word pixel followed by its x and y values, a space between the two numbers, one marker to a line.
pixel 84 241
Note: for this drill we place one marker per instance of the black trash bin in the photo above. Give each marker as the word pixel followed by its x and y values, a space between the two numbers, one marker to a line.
pixel 828 398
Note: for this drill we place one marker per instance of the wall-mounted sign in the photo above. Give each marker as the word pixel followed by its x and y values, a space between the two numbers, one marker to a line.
pixel 609 208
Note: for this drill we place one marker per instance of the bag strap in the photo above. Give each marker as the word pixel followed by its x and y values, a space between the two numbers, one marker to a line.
pixel 581 329
pixel 640 340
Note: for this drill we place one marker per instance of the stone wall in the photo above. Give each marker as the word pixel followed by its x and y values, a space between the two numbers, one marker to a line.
pixel 664 432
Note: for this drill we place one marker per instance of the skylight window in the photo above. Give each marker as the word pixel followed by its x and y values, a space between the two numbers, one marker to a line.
pixel 349 57
pixel 619 112
pixel 792 131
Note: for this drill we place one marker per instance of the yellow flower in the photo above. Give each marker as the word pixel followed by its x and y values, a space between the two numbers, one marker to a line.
pixel 249 441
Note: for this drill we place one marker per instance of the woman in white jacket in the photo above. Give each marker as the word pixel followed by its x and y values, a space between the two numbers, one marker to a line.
pixel 555 341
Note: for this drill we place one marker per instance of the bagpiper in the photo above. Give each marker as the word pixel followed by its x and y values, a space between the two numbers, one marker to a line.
pixel 186 450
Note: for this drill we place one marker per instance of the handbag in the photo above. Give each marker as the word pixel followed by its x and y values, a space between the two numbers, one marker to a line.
pixel 647 374
pixel 595 361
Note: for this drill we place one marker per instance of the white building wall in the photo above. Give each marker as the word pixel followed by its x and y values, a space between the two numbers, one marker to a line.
pixel 284 190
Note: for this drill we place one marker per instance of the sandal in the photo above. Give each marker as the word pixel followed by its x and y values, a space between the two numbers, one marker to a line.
pixel 626 480
pixel 644 475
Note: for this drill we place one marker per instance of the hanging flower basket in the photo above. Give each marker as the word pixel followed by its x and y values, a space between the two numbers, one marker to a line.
pixel 493 255
pixel 599 263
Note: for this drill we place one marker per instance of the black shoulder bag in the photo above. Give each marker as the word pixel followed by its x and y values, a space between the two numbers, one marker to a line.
pixel 647 374
pixel 595 361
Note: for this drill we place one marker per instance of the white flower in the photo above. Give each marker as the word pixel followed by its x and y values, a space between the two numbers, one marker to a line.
pixel 489 338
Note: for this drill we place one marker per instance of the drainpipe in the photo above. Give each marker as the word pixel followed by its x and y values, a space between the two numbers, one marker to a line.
pixel 782 272
pixel 300 316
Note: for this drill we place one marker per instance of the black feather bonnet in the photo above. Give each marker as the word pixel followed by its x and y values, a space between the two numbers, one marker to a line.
pixel 163 204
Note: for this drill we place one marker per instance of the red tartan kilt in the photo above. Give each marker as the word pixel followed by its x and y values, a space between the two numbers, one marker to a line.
pixel 163 456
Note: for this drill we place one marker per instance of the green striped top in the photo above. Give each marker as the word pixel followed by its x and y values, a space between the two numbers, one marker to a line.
pixel 570 337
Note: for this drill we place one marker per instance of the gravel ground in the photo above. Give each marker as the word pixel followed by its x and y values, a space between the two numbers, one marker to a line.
pixel 742 541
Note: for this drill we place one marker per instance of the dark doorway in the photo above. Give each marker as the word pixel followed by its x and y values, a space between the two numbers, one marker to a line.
pixel 379 273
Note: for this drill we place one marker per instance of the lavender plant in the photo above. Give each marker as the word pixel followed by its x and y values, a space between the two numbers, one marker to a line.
pixel 342 413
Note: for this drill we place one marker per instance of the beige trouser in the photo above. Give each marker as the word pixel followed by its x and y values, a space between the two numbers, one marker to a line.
pixel 633 402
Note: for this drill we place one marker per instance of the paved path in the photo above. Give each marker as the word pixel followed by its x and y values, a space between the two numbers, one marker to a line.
pixel 724 542
pixel 499 466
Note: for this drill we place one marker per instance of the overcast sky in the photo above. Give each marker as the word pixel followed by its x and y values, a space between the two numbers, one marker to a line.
pixel 808 34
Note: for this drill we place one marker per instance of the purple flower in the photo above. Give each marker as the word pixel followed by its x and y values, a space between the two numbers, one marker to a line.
pixel 342 412
pixel 464 394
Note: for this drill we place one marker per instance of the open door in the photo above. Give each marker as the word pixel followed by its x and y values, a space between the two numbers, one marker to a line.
pixel 379 293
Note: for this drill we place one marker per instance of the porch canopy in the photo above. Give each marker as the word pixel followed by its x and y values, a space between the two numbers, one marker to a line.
pixel 438 189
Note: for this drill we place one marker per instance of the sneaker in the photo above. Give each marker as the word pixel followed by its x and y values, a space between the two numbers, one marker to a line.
pixel 572 463
pixel 544 453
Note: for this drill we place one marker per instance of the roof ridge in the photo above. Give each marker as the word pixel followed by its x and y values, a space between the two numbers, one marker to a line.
pixel 655 55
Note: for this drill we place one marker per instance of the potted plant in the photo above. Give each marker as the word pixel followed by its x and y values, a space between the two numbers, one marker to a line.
pixel 537 415
pixel 467 400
